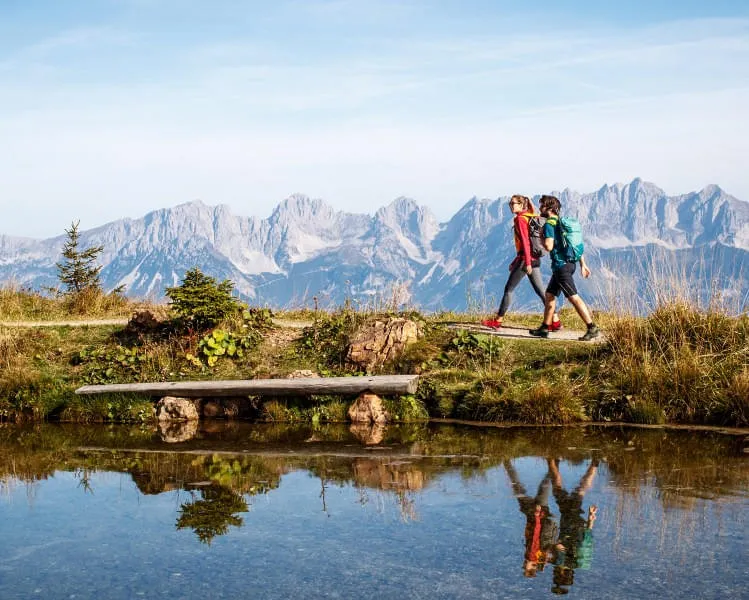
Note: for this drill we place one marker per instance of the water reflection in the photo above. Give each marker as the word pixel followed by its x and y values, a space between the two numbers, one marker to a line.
pixel 655 501
pixel 212 513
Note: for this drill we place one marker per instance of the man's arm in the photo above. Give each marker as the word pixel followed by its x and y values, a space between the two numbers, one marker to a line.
pixel 549 234
pixel 584 269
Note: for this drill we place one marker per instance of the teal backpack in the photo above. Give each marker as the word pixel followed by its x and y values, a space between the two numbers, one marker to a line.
pixel 572 235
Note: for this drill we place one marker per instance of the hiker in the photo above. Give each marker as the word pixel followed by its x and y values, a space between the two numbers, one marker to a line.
pixel 575 545
pixel 564 258
pixel 527 261
pixel 540 529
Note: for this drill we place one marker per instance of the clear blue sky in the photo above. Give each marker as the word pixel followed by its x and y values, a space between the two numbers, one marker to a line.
pixel 112 108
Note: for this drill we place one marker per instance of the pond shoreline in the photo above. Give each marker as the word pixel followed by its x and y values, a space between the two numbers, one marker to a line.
pixel 737 431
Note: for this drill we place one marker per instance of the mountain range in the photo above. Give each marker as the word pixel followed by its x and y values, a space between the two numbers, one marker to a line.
pixel 640 243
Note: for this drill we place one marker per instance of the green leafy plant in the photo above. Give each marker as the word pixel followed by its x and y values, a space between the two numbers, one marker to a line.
pixel 470 345
pixel 328 339
pixel 106 365
pixel 220 343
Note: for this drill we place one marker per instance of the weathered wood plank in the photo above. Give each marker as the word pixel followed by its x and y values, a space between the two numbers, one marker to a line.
pixel 378 384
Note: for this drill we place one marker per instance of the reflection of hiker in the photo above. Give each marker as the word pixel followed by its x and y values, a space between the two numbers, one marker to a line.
pixel 527 261
pixel 540 528
pixel 564 258
pixel 575 545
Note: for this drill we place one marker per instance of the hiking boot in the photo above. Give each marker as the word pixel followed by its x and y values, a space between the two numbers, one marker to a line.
pixel 556 326
pixel 542 332
pixel 592 333
pixel 492 323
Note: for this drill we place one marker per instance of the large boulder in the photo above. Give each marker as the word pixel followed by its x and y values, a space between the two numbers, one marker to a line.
pixel 381 340
pixel 173 408
pixel 368 408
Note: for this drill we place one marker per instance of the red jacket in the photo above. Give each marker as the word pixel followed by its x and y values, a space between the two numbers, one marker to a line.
pixel 522 239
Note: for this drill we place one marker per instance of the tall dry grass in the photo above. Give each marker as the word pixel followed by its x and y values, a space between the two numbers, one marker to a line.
pixel 20 304
pixel 681 363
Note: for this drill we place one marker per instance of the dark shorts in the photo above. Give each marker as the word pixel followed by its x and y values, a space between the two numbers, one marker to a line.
pixel 562 281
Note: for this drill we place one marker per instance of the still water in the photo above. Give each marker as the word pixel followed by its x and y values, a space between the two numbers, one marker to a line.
pixel 428 511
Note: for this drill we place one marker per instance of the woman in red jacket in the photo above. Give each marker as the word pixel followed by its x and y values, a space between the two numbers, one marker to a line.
pixel 524 263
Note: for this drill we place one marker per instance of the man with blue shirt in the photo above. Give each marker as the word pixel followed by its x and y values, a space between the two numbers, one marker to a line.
pixel 562 271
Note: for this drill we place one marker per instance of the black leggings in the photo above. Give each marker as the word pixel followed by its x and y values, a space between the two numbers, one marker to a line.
pixel 516 276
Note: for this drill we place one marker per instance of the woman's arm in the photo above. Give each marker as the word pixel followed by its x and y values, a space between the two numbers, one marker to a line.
pixel 521 226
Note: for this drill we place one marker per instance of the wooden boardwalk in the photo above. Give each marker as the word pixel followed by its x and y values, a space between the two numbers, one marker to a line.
pixel 377 384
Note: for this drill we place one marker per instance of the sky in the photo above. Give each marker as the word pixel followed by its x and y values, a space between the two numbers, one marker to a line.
pixel 114 108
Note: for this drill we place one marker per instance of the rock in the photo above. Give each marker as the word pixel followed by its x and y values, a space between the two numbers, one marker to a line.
pixel 368 408
pixel 172 408
pixel 173 432
pixel 146 320
pixel 381 340
pixel 238 408
pixel 302 374
pixel 213 409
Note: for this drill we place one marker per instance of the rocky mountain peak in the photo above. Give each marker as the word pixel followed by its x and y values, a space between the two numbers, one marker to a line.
pixel 307 247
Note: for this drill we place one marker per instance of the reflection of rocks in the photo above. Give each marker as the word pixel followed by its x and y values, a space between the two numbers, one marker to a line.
pixel 368 434
pixel 177 431
pixel 394 475
pixel 379 341
pixel 217 426
pixel 172 408
pixel 368 408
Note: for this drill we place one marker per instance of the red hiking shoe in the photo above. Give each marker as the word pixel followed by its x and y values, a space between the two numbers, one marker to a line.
pixel 556 326
pixel 492 323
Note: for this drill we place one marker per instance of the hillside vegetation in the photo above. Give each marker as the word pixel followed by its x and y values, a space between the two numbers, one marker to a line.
pixel 679 364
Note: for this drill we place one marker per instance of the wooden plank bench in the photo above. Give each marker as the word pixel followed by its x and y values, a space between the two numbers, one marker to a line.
pixel 377 384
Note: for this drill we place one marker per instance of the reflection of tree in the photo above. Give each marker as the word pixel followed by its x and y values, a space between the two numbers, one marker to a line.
pixel 213 513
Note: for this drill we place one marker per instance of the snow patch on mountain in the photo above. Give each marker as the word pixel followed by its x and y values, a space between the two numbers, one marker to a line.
pixel 306 248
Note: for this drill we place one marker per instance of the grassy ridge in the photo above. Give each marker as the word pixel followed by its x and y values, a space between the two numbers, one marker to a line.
pixel 679 364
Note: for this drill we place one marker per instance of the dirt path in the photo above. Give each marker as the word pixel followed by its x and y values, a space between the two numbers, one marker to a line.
pixel 68 323
pixel 507 331
pixel 521 332
pixel 123 321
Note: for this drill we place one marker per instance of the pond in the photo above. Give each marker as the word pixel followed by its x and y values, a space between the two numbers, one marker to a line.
pixel 234 510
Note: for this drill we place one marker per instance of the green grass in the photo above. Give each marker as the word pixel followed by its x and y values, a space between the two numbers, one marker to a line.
pixel 678 365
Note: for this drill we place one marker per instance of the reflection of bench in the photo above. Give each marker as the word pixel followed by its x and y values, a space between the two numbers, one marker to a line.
pixel 377 384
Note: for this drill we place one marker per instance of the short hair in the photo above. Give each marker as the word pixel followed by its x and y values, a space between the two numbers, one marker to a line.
pixel 550 203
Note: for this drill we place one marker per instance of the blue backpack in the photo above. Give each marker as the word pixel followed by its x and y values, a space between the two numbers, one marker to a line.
pixel 572 237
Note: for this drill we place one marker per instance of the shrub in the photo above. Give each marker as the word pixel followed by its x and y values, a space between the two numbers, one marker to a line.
pixel 200 302
pixel 78 270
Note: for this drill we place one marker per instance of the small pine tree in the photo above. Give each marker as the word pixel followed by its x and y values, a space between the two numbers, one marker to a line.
pixel 79 271
pixel 200 301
